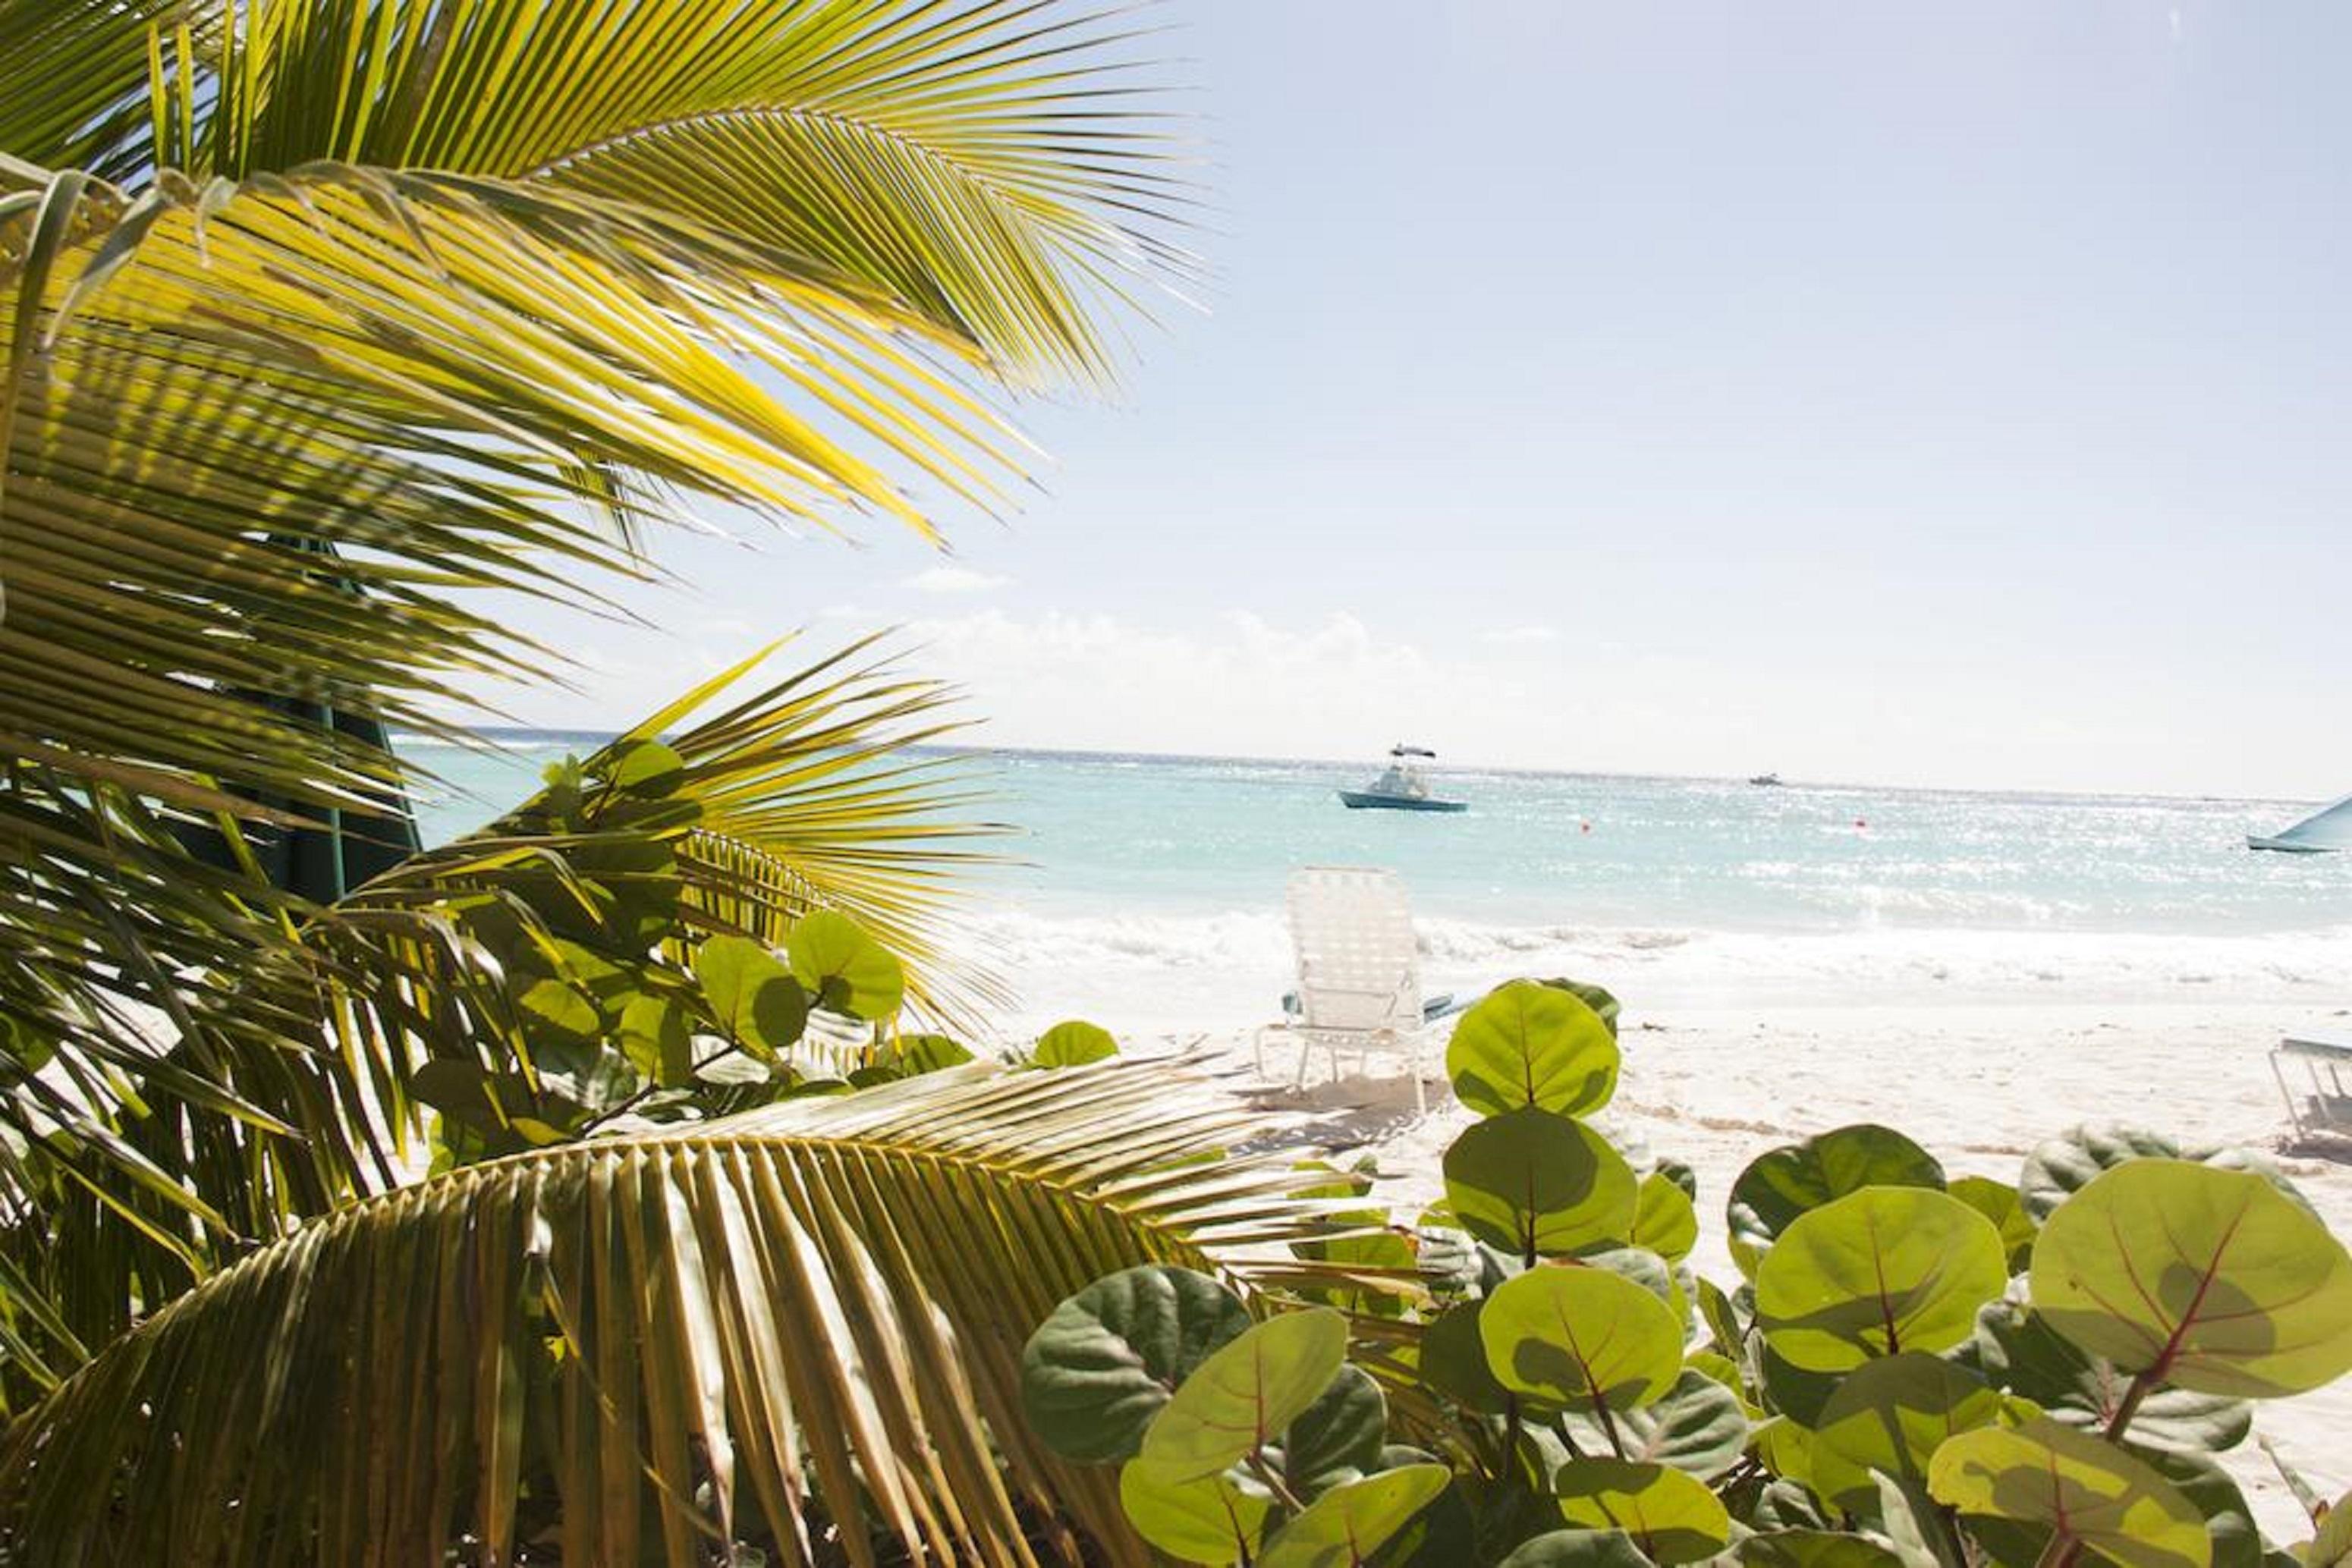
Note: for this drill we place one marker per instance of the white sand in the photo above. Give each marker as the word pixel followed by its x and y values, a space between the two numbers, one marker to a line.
pixel 1978 1084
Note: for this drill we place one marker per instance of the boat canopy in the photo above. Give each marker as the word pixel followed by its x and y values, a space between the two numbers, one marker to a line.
pixel 2328 830
pixel 1401 750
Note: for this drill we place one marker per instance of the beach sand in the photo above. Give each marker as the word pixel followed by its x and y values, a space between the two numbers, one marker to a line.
pixel 1713 1086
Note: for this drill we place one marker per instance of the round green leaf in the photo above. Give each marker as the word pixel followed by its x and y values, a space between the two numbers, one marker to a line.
pixel 646 768
pixel 753 996
pixel 1883 1269
pixel 1074 1043
pixel 2065 1164
pixel 1574 1336
pixel 1781 1184
pixel 1813 1548
pixel 1345 1526
pixel 1999 1202
pixel 2208 1279
pixel 1527 1044
pixel 1242 1398
pixel 2207 1488
pixel 1664 1219
pixel 915 1054
pixel 655 1037
pixel 1216 1519
pixel 1337 1439
pixel 2018 1349
pixel 1532 1180
pixel 1891 1414
pixel 2052 1476
pixel 845 967
pixel 1102 1366
pixel 1698 1425
pixel 1578 1549
pixel 1671 1516
pixel 1454 1362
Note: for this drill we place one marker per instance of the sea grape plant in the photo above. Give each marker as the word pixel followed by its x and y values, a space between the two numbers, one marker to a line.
pixel 626 1012
pixel 1915 1371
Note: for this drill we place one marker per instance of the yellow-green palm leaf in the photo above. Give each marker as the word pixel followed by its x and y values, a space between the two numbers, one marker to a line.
pixel 803 1320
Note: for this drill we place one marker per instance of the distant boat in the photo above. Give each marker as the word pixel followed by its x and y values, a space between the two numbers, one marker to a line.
pixel 2329 829
pixel 1771 778
pixel 1402 788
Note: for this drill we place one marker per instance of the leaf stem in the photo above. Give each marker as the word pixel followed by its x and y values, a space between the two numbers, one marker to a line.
pixel 2143 1383
pixel 1264 1472
pixel 1607 1424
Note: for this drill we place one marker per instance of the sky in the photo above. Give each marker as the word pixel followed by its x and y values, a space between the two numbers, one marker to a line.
pixel 1913 395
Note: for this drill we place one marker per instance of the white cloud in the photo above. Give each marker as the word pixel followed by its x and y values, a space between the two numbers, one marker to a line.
pixel 953 579
pixel 1519 636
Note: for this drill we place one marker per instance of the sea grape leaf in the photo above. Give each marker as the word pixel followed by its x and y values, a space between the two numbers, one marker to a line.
pixel 1532 1180
pixel 1880 1270
pixel 1574 1336
pixel 914 1054
pixel 646 768
pixel 655 1037
pixel 1891 1414
pixel 2052 1476
pixel 2237 1540
pixel 1074 1043
pixel 1337 1439
pixel 1664 1219
pixel 2063 1166
pixel 1103 1364
pixel 845 967
pixel 2018 1349
pixel 1216 1519
pixel 1698 1426
pixel 1722 1319
pixel 1671 1516
pixel 756 1001
pixel 1813 1548
pixel 1597 997
pixel 1525 1045
pixel 2208 1279
pixel 1345 1526
pixel 1578 1549
pixel 1781 1184
pixel 1244 1395
pixel 1454 1362
pixel 1792 1390
pixel 1999 1202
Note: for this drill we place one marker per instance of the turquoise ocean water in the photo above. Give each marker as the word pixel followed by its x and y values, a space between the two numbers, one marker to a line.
pixel 1151 887
pixel 1202 836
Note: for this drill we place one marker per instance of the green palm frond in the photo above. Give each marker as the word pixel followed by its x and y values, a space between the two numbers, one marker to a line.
pixel 789 1329
pixel 301 1032
pixel 997 168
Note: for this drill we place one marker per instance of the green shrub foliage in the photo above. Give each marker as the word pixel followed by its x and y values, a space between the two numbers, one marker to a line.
pixel 1918 1372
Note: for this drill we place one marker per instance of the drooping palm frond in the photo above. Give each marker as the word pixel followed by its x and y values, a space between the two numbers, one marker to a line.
pixel 787 1329
pixel 289 1086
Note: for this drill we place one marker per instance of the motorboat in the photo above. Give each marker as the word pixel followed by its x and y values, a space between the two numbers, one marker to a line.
pixel 1401 787
pixel 1773 779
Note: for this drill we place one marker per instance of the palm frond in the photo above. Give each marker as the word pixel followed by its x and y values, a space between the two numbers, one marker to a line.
pixel 995 166
pixel 787 1329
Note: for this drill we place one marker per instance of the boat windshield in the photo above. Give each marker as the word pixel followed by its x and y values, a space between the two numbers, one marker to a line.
pixel 1401 779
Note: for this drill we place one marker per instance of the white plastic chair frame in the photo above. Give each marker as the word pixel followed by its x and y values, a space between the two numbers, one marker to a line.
pixel 1358 971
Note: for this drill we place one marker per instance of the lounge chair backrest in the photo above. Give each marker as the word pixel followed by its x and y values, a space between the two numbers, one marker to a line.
pixel 1358 965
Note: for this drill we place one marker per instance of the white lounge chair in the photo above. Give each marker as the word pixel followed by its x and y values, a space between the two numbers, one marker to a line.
pixel 1358 971
pixel 2326 1061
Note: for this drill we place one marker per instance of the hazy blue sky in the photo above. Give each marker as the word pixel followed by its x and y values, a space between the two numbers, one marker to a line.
pixel 1915 393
